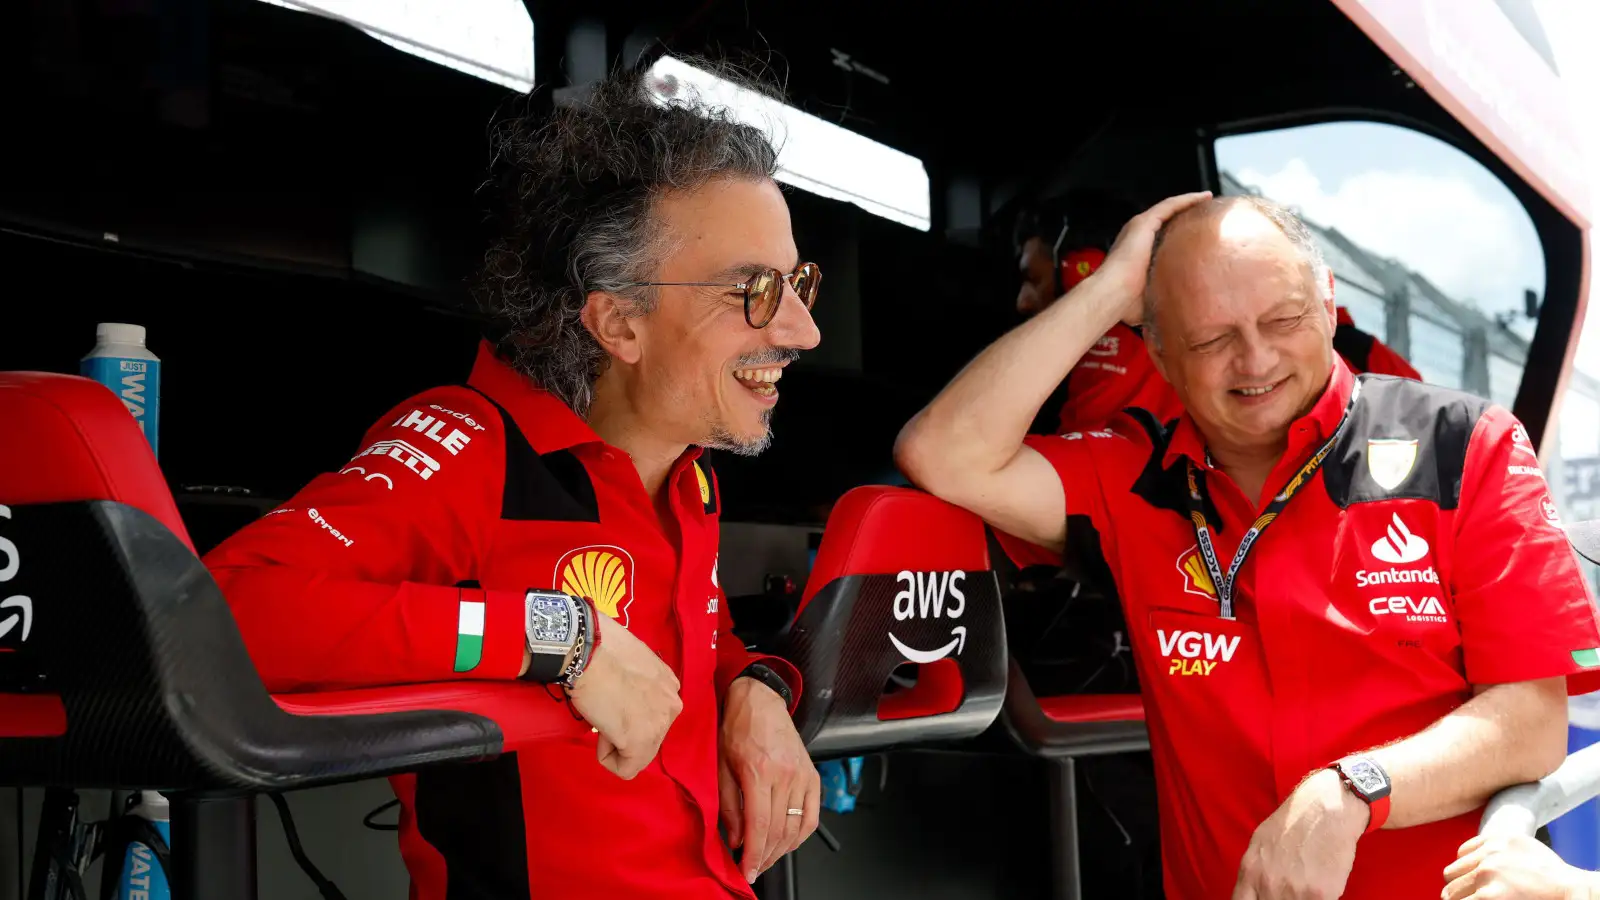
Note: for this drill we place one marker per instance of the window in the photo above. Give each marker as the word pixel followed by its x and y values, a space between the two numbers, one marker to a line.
pixel 1366 308
pixel 488 39
pixel 1431 253
pixel 1437 351
pixel 1505 375
pixel 814 154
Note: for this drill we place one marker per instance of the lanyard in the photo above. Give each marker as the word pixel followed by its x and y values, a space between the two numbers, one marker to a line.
pixel 1202 529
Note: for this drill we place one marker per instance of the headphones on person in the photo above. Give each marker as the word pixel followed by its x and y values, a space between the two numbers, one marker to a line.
pixel 1074 264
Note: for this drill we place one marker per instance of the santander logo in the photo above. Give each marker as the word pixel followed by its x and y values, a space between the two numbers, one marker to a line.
pixel 1399 545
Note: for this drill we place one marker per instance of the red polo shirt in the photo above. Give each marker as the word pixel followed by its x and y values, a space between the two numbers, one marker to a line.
pixel 1117 373
pixel 1420 560
pixel 409 563
pixel 1114 374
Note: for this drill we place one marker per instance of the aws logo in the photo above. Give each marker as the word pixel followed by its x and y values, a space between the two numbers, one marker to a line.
pixel 1196 580
pixel 930 595
pixel 1195 652
pixel 601 573
pixel 16 610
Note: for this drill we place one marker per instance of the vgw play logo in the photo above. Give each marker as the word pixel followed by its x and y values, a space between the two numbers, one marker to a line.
pixel 1195 652
pixel 930 595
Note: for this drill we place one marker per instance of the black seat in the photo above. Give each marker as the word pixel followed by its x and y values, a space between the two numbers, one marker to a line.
pixel 121 666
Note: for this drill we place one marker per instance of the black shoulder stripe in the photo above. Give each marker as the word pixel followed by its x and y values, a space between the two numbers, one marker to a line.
pixel 550 488
pixel 1165 488
pixel 1355 346
pixel 1405 440
pixel 1152 428
pixel 1085 556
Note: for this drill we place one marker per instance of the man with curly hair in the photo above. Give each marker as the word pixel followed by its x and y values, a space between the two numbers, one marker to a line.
pixel 552 520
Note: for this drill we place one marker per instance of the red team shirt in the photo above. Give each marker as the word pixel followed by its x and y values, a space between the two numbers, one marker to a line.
pixel 458 501
pixel 1421 559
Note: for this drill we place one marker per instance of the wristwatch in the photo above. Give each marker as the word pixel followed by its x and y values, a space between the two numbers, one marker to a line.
pixel 765 675
pixel 1366 779
pixel 561 637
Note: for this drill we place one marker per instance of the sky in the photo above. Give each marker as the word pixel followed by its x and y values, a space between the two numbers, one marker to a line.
pixel 1409 196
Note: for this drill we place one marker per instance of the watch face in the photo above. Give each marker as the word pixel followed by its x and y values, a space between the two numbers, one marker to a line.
pixel 1366 777
pixel 550 620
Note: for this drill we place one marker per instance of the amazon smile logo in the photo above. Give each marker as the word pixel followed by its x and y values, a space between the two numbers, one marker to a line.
pixel 930 595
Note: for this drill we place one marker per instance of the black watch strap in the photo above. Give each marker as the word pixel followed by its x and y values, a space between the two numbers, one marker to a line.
pixel 544 668
pixel 764 674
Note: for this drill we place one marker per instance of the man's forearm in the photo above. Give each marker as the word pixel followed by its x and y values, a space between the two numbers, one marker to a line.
pixel 1508 734
pixel 979 420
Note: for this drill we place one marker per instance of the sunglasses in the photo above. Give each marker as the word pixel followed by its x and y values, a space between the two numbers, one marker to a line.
pixel 762 293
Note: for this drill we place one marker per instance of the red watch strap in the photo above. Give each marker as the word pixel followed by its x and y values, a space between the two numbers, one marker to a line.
pixel 1380 814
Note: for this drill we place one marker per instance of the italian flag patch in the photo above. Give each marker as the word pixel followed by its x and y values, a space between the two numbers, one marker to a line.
pixel 1587 658
pixel 469 635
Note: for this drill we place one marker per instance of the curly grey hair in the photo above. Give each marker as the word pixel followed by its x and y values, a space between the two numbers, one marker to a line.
pixel 576 193
pixel 1277 213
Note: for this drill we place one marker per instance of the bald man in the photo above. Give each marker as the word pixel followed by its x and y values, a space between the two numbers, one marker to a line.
pixel 1353 608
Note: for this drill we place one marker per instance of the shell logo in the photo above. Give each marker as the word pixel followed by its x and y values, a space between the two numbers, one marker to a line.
pixel 1196 580
pixel 602 574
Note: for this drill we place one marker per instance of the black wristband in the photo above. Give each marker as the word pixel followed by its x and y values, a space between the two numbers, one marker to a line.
pixel 543 668
pixel 764 674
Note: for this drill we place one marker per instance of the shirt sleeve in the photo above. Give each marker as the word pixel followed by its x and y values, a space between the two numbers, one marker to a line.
pixel 733 658
pixel 364 577
pixel 1110 377
pixel 1525 612
pixel 1077 459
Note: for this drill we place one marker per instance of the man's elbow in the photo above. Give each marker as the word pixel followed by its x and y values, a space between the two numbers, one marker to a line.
pixel 1551 749
pixel 917 457
pixel 1547 733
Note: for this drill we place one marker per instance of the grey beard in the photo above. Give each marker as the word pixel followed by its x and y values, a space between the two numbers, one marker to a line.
pixel 721 439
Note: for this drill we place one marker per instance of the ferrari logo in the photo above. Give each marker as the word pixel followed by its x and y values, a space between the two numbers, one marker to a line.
pixel 705 486
pixel 1389 461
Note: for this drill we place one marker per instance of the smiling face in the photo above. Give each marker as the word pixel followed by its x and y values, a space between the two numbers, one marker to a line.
pixel 695 371
pixel 1245 327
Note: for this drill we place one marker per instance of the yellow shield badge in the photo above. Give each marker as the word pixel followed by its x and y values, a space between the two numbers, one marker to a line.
pixel 1389 461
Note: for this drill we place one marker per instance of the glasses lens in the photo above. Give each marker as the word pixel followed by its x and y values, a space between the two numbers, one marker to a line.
pixel 761 298
pixel 806 281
